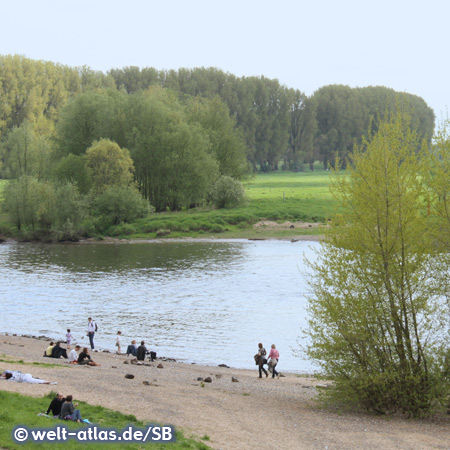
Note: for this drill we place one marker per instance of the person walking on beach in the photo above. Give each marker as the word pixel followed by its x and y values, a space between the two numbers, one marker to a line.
pixel 261 360
pixel 274 356
pixel 91 332
pixel 118 342
pixel 69 338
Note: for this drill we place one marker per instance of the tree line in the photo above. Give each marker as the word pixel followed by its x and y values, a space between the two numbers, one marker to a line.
pixel 186 137
pixel 277 123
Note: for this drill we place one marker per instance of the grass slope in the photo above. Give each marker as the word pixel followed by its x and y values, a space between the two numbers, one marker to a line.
pixel 22 410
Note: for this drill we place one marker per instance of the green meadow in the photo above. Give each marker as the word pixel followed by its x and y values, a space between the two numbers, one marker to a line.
pixel 276 197
pixel 19 409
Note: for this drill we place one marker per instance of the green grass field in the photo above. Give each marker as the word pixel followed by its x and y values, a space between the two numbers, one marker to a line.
pixel 279 197
pixel 22 410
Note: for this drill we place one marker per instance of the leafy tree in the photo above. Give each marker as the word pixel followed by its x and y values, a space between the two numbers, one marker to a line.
pixel 108 165
pixel 174 164
pixel 227 193
pixel 72 169
pixel 25 153
pixel 118 204
pixel 379 324
pixel 227 142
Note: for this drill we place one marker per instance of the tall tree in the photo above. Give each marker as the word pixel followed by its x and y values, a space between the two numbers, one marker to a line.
pixel 378 322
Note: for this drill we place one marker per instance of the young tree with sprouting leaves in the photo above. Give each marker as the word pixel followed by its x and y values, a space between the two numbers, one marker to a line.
pixel 379 315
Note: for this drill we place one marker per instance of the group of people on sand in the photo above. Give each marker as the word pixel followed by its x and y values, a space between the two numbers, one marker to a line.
pixel 271 361
pixel 63 408
pixel 56 351
pixel 140 351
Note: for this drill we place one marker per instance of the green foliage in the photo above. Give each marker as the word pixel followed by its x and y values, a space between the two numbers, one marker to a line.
pixel 108 165
pixel 379 324
pixel 227 193
pixel 119 204
pixel 19 409
pixel 24 152
pixel 42 206
pixel 72 169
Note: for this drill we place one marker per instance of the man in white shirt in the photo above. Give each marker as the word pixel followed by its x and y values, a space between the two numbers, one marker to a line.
pixel 91 331
pixel 73 355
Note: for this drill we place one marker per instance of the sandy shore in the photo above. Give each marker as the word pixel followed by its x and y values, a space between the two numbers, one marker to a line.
pixel 250 414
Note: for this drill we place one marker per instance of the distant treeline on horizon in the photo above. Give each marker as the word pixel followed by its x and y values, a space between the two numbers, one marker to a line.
pixel 272 122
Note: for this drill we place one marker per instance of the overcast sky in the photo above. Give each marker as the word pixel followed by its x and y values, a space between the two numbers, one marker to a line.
pixel 305 44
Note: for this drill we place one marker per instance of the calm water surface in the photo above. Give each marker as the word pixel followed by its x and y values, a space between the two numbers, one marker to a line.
pixel 208 302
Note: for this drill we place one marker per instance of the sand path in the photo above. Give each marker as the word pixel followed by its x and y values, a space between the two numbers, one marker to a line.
pixel 250 414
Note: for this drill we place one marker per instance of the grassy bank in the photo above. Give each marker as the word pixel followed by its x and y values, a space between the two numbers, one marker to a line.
pixel 277 197
pixel 22 410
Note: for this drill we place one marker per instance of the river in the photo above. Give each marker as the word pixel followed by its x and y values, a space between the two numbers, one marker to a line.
pixel 206 302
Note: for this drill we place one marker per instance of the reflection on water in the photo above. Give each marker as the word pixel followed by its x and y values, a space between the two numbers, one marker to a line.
pixel 205 302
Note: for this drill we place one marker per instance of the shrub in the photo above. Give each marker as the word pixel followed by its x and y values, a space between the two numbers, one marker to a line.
pixel 227 193
pixel 120 204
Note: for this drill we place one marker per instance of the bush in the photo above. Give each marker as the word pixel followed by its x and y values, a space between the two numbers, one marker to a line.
pixel 118 204
pixel 227 193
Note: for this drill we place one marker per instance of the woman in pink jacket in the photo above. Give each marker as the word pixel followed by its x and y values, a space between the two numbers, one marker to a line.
pixel 274 356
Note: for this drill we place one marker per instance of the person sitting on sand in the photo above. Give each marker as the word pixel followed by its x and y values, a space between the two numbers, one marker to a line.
pixel 141 352
pixel 23 378
pixel 73 355
pixel 85 358
pixel 48 351
pixel 132 348
pixel 58 351
pixel 68 411
pixel 55 405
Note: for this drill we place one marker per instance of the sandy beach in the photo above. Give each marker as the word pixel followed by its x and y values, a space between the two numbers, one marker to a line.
pixel 249 414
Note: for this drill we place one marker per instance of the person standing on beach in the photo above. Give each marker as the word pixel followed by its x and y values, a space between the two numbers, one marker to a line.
pixel 118 342
pixel 91 332
pixel 262 360
pixel 68 338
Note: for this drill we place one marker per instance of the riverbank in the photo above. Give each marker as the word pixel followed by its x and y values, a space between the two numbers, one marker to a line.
pixel 251 413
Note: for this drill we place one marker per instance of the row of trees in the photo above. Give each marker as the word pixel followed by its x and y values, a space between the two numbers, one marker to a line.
pixel 380 314
pixel 277 123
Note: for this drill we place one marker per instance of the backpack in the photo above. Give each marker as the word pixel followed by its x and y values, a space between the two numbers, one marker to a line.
pixel 96 327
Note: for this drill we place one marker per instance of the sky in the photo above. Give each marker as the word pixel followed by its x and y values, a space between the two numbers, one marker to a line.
pixel 305 44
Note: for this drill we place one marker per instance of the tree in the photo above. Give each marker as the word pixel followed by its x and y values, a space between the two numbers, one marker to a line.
pixel 25 153
pixel 227 142
pixel 108 165
pixel 379 323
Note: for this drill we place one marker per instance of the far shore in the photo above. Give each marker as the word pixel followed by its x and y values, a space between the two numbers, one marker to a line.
pixel 234 408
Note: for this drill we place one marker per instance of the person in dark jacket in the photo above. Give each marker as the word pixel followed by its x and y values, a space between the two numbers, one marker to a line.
pixel 141 352
pixel 57 351
pixel 55 405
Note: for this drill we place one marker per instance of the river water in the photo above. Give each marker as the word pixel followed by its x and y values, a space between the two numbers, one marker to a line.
pixel 208 302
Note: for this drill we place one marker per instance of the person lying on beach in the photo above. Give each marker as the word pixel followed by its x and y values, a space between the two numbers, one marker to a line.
pixel 85 358
pixel 23 377
pixel 73 355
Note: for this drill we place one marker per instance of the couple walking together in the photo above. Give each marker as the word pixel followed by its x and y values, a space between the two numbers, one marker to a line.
pixel 260 358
